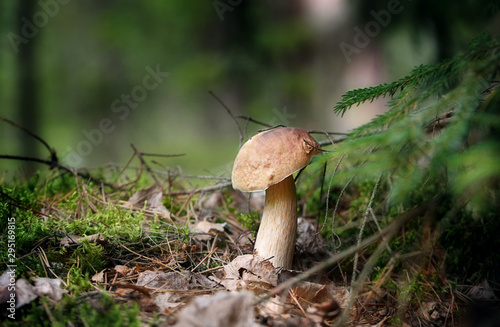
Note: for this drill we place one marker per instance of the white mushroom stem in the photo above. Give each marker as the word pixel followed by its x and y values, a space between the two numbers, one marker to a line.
pixel 278 227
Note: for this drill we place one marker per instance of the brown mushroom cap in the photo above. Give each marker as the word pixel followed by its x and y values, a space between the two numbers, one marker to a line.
pixel 270 156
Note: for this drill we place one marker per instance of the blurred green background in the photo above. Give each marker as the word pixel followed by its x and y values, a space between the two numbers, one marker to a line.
pixel 79 73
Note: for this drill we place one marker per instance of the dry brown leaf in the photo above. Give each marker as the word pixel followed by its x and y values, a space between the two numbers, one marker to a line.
pixel 168 301
pixel 111 273
pixel 147 304
pixel 75 239
pixel 205 228
pixel 124 292
pixel 99 277
pixel 482 291
pixel 312 292
pixel 324 311
pixel 5 288
pixel 250 272
pixel 220 309
pixel 124 270
pixel 4 294
pixel 25 292
pixel 184 280
pixel 340 294
pixel 308 239
pixel 149 199
pixel 50 287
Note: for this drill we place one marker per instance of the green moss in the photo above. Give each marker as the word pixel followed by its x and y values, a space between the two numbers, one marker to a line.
pixel 75 311
pixel 78 282
pixel 88 256
pixel 249 220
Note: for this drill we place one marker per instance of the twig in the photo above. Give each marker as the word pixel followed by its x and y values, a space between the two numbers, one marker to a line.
pixel 211 269
pixel 337 207
pixel 29 133
pixel 206 257
pixel 379 228
pixel 203 189
pixel 331 142
pixel 169 174
pixel 162 155
pixel 250 119
pixel 327 133
pixel 56 164
pixel 230 114
pixel 356 288
pixel 323 174
pixel 53 320
pixel 328 193
pixel 361 229
pixel 139 155
pixel 44 161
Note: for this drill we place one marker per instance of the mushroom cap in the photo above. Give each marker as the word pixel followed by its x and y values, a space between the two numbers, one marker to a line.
pixel 271 156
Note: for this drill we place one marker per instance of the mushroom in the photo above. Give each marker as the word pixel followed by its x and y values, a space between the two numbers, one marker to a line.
pixel 267 162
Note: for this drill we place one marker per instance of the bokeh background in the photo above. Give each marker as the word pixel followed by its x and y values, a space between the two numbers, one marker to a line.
pixel 76 72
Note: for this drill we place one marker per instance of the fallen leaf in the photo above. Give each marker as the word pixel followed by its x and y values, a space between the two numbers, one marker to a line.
pixel 111 273
pixel 4 294
pixel 482 291
pixel 50 287
pixel 147 304
pixel 138 288
pixel 25 292
pixel 167 301
pixel 99 277
pixel 251 272
pixel 149 199
pixel 204 230
pixel 75 239
pixel 308 239
pixel 207 227
pixel 341 294
pixel 184 280
pixel 6 278
pixel 312 292
pixel 124 270
pixel 324 311
pixel 220 309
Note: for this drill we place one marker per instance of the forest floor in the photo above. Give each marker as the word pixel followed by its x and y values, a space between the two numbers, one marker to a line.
pixel 158 248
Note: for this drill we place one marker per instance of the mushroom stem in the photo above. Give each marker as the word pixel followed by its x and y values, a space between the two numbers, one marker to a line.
pixel 278 227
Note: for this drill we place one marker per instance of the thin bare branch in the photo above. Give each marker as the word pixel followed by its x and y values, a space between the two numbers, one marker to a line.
pixel 143 162
pixel 230 114
pixel 203 189
pixel 38 138
pixel 363 223
pixel 56 164
pixel 250 119
pixel 162 155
